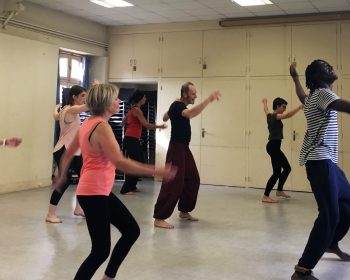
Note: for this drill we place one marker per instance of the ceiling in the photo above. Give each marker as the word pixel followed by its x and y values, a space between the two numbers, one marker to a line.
pixel 164 11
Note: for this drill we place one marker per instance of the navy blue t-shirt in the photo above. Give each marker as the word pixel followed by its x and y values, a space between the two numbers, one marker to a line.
pixel 180 126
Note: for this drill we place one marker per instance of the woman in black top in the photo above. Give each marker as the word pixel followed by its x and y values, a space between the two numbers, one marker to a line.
pixel 280 165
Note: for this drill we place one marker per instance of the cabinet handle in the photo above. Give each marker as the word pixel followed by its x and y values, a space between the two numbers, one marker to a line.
pixel 203 132
pixel 294 135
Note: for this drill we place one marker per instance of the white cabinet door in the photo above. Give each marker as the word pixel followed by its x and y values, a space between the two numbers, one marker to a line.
pixel 182 54
pixel 310 42
pixel 344 48
pixel 223 146
pixel 269 51
pixel 224 53
pixel 134 56
pixel 168 92
pixel 146 55
pixel 120 57
pixel 260 168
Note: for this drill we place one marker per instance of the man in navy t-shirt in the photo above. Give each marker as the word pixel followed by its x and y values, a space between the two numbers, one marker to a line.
pixel 184 188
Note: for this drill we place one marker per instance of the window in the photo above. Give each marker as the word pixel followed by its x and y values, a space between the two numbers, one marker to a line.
pixel 71 70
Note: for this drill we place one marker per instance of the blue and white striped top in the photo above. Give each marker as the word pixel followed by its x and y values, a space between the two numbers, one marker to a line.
pixel 321 137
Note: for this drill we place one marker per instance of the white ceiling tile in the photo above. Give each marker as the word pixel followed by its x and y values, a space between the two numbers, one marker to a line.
pixel 329 4
pixel 268 13
pixel 290 1
pixel 232 14
pixel 300 12
pixel 202 12
pixel 187 5
pixel 333 9
pixel 266 8
pixel 217 4
pixel 145 2
pixel 295 6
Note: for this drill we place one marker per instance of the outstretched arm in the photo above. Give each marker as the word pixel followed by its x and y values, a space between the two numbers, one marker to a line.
pixel 138 113
pixel 298 88
pixel 340 105
pixel 104 138
pixel 266 109
pixel 289 114
pixel 77 109
pixel 11 142
pixel 196 110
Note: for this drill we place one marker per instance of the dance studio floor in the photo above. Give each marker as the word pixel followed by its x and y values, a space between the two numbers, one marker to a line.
pixel 237 237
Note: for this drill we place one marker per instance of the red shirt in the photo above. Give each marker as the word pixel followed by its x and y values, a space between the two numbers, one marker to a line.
pixel 134 125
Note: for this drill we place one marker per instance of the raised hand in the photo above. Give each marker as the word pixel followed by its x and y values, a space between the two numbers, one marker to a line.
pixel 215 96
pixel 293 71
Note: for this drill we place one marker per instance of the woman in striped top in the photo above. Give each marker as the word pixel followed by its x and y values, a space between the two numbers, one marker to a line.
pixel 319 153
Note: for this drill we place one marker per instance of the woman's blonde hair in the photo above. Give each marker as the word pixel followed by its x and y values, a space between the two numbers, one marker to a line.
pixel 99 98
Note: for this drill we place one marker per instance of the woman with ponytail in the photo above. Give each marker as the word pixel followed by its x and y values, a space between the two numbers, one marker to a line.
pixel 131 143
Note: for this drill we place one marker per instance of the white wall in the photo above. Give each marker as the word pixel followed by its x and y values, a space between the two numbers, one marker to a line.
pixel 28 71
pixel 28 78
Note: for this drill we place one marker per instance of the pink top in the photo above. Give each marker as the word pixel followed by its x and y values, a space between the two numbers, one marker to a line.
pixel 67 131
pixel 97 173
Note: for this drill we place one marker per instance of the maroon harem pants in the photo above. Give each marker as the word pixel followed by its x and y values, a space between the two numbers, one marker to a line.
pixel 183 188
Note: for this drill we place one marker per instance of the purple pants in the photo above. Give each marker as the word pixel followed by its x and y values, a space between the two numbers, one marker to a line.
pixel 183 189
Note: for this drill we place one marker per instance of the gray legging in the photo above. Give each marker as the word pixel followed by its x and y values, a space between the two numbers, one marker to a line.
pixel 100 212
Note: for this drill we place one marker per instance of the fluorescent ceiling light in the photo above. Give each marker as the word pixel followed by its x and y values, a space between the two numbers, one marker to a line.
pixel 112 3
pixel 252 2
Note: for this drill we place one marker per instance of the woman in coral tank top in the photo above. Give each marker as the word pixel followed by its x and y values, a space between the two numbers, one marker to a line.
pixel 101 156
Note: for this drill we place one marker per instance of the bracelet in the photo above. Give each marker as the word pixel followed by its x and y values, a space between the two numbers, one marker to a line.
pixel 4 142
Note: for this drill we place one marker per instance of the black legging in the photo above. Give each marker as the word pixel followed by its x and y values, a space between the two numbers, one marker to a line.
pixel 101 211
pixel 279 161
pixel 75 167
pixel 133 149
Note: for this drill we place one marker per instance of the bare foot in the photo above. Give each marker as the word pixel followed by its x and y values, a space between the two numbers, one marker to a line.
pixel 188 217
pixel 282 194
pixel 53 219
pixel 129 193
pixel 342 255
pixel 79 213
pixel 267 199
pixel 162 224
